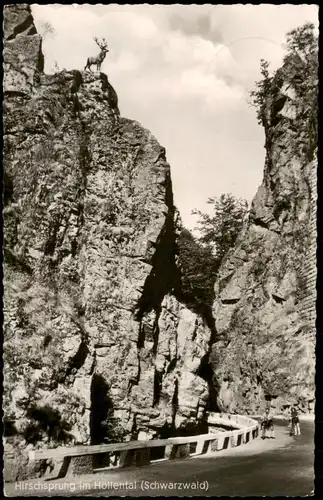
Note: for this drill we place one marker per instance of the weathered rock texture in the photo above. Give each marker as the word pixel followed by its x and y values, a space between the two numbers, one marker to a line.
pixel 91 324
pixel 266 291
pixel 95 327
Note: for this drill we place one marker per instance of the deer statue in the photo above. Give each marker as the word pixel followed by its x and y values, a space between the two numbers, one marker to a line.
pixel 98 60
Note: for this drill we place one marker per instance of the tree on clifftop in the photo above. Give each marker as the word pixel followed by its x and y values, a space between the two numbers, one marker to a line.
pixel 302 41
pixel 46 29
pixel 261 92
pixel 300 71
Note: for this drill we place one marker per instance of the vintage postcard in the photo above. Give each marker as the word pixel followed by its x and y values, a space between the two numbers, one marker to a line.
pixel 160 193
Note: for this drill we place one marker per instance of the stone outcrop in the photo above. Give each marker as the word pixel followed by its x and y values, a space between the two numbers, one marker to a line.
pixel 96 329
pixel 92 326
pixel 266 290
pixel 23 57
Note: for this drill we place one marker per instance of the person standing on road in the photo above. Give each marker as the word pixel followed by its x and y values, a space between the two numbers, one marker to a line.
pixel 267 424
pixel 296 431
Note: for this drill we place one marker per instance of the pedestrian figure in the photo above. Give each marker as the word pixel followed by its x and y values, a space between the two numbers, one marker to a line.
pixel 295 430
pixel 267 425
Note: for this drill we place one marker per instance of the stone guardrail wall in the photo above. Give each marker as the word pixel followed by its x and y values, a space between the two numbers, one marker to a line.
pixel 228 419
pixel 86 459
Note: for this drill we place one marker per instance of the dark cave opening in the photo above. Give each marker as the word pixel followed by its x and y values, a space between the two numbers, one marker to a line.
pixel 171 365
pixel 141 336
pixel 158 378
pixel 8 189
pixel 174 402
pixel 101 406
pixel 9 428
pixel 205 371
pixel 73 248
pixel 47 340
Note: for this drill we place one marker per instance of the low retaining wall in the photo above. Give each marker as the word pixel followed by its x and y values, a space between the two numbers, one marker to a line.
pixel 228 420
pixel 304 417
pixel 86 459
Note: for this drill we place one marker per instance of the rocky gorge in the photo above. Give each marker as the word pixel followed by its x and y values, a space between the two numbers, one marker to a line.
pixel 95 324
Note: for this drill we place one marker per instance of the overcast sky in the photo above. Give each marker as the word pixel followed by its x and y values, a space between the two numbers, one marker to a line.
pixel 184 73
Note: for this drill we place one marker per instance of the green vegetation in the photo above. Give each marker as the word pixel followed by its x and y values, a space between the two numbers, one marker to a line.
pixel 261 93
pixel 198 268
pixel 46 421
pixel 300 71
pixel 200 257
pixel 220 229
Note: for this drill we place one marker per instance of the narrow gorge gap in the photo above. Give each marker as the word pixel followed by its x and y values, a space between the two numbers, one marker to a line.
pixel 158 379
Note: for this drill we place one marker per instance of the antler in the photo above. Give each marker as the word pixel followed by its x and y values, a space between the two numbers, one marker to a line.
pixel 103 44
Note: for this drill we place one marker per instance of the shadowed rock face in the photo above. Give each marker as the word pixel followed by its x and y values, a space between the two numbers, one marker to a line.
pixel 265 293
pixel 22 53
pixel 90 247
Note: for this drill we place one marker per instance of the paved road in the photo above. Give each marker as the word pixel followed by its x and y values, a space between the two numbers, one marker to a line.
pixel 280 467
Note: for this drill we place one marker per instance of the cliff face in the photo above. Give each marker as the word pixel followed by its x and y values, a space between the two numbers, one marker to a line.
pixel 95 330
pixel 91 325
pixel 266 291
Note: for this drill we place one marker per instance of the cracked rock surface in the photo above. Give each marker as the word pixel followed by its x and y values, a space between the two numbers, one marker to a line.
pixel 266 289
pixel 94 325
pixel 90 243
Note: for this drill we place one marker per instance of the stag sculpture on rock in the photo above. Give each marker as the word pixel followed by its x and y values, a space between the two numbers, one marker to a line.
pixel 98 60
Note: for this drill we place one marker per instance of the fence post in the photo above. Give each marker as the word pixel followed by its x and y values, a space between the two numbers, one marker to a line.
pixel 200 446
pixel 233 441
pixel 168 451
pixel 214 445
pixel 220 443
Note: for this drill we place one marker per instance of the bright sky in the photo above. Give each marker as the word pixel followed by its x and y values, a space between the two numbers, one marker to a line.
pixel 175 74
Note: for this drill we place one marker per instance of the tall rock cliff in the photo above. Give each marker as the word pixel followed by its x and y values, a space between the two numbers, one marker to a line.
pixel 266 290
pixel 92 326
